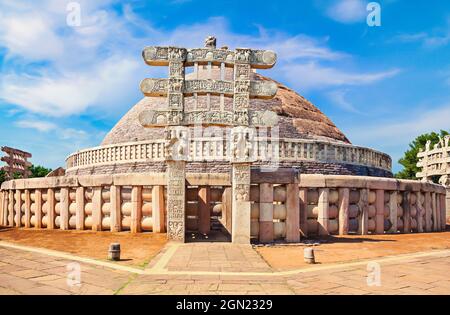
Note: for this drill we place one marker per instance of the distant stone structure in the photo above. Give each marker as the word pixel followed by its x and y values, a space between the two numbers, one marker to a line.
pixel 17 162
pixel 435 161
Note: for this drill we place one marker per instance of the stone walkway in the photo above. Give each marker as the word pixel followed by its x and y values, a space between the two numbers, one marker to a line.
pixel 221 257
pixel 25 272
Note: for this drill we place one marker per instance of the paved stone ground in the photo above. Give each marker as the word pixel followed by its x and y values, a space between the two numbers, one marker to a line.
pixel 218 257
pixel 24 272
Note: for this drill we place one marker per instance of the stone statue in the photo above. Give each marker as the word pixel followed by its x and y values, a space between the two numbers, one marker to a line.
pixel 241 144
pixel 445 180
pixel 210 42
pixel 176 146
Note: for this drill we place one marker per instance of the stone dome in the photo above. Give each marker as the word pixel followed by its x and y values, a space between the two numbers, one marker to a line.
pixel 307 140
pixel 298 118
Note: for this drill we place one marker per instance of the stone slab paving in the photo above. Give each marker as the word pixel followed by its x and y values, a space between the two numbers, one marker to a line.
pixel 24 272
pixel 218 257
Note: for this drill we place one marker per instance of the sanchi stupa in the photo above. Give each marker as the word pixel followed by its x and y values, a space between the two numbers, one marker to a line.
pixel 217 146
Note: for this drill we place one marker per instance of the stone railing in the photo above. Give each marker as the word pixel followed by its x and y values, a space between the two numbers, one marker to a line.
pixel 216 149
pixel 99 203
pixel 284 206
pixel 435 161
pixel 123 202
pixel 335 204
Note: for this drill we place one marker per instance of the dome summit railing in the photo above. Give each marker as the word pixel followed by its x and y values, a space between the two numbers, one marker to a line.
pixel 205 149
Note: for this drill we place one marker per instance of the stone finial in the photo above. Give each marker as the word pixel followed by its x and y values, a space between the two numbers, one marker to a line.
pixel 210 42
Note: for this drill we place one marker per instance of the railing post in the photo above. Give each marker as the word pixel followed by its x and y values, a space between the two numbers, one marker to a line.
pixel 38 213
pixel 323 216
pixel 265 213
pixel 204 210
pixel 64 204
pixel 428 212
pixel 420 203
pixel 11 208
pixel 363 224
pixel 379 219
pixel 393 212
pixel 18 208
pixel 158 207
pixel 293 213
pixel 51 209
pixel 2 207
pixel 443 212
pixel 97 209
pixel 344 201
pixel 27 208
pixel 115 214
pixel 406 205
pixel 226 208
pixel 447 204
pixel 80 201
pixel 136 210
pixel 434 211
pixel 303 194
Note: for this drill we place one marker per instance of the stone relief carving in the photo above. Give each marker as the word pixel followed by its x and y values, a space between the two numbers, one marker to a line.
pixel 210 42
pixel 242 145
pixel 176 146
pixel 159 56
pixel 241 182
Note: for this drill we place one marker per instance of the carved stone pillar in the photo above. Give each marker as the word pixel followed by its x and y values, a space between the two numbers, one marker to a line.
pixel 242 74
pixel 176 154
pixel 240 231
pixel 176 200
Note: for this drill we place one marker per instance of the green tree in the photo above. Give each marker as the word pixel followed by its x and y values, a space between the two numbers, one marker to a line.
pixel 2 176
pixel 17 175
pixel 38 171
pixel 409 159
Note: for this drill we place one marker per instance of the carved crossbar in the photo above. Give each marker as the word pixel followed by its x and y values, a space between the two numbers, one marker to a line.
pixel 161 56
pixel 176 87
pixel 160 87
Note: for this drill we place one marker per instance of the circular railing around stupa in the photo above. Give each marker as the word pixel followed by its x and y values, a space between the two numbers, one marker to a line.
pixel 213 149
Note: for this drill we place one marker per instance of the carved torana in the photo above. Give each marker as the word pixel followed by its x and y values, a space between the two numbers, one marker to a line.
pixel 435 161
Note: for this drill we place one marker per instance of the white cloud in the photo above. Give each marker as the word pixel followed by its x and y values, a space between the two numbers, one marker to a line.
pixel 394 135
pixel 42 126
pixel 312 75
pixel 48 126
pixel 347 11
pixel 406 127
pixel 338 97
pixel 98 65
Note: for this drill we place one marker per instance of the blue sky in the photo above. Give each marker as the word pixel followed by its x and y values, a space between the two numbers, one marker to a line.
pixel 63 87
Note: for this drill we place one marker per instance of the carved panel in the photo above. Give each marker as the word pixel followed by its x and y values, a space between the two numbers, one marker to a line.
pixel 176 200
pixel 241 182
pixel 243 145
pixel 176 145
pixel 260 59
